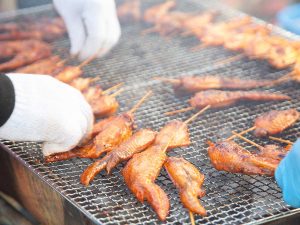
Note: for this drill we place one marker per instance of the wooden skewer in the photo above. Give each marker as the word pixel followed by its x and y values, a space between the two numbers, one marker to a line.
pixel 197 114
pixel 281 140
pixel 230 59
pixel 117 93
pixel 167 80
pixel 247 140
pixel 88 60
pixel 241 133
pixel 286 77
pixel 137 105
pixel 179 111
pixel 192 218
pixel 149 30
pixel 112 88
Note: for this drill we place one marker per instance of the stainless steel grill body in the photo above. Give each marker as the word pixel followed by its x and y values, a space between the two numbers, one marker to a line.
pixel 231 198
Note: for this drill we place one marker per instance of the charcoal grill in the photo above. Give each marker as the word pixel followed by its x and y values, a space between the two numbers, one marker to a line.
pixel 231 198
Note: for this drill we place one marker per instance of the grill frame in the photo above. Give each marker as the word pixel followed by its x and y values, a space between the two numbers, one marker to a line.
pixel 164 100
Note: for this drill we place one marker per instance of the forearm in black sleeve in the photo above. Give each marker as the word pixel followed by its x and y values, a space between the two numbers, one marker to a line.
pixel 7 98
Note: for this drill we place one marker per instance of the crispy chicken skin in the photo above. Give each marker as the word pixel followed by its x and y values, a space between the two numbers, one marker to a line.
pixel 219 99
pixel 22 53
pixel 188 180
pixel 156 12
pixel 229 156
pixel 130 10
pixel 43 66
pixel 201 83
pixel 138 142
pixel 142 170
pixel 275 122
pixel 105 105
pixel 111 135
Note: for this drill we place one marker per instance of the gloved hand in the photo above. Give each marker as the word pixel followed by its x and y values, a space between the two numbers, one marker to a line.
pixel 288 176
pixel 49 111
pixel 93 25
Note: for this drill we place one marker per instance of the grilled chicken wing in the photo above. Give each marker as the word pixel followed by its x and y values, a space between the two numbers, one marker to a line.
pixel 275 122
pixel 229 156
pixel 130 10
pixel 68 74
pixel 274 152
pixel 200 83
pixel 188 179
pixel 155 13
pixel 22 53
pixel 142 170
pixel 46 29
pixel 135 144
pixel 82 84
pixel 218 99
pixel 112 135
pixel 43 66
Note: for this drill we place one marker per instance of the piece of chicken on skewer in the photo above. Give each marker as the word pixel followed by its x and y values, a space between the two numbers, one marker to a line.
pixel 188 179
pixel 22 53
pixel 156 12
pixel 275 122
pixel 229 156
pixel 130 10
pixel 138 142
pixel 43 66
pixel 206 82
pixel 111 134
pixel 142 170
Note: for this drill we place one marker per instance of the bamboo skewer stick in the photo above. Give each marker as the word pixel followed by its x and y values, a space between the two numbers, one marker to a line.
pixel 179 111
pixel 112 88
pixel 247 140
pixel 139 103
pixel 197 114
pixel 88 60
pixel 168 80
pixel 192 218
pixel 281 140
pixel 117 93
pixel 241 133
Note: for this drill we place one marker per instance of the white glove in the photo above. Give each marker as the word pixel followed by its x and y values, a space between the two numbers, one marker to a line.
pixel 93 25
pixel 49 111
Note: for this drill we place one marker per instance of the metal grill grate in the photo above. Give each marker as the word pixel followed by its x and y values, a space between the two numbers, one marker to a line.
pixel 230 199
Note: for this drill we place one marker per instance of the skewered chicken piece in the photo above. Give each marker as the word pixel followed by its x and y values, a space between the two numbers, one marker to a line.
pixel 196 24
pixel 229 156
pixel 43 66
pixel 111 134
pixel 46 29
pixel 22 53
pixel 142 170
pixel 130 10
pixel 188 179
pixel 215 35
pixel 219 99
pixel 275 122
pixel 135 144
pixel 169 24
pixel 83 84
pixel 101 103
pixel 200 83
pixel 155 13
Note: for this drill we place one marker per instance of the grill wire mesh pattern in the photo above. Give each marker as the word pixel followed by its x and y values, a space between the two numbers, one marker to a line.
pixel 230 198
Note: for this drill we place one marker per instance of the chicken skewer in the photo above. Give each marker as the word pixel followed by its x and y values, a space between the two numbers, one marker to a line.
pixel 200 83
pixel 135 144
pixel 221 99
pixel 229 156
pixel 143 168
pixel 111 134
pixel 189 180
pixel 273 122
pixel 21 53
pixel 269 151
pixel 130 10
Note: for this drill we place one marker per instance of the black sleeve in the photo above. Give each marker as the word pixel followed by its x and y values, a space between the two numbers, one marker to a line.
pixel 7 98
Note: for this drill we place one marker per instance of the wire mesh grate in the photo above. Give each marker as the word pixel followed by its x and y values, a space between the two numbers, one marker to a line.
pixel 231 198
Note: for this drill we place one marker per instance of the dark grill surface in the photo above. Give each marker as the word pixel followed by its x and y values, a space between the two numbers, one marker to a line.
pixel 231 198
